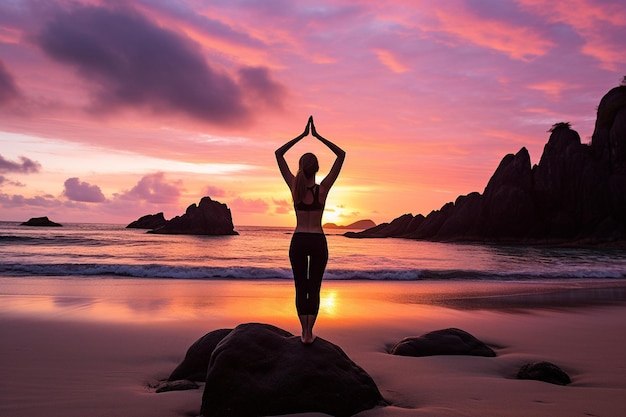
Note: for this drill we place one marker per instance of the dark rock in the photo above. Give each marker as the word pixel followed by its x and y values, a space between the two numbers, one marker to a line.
pixel 463 220
pixel 361 224
pixel 442 342
pixel 41 222
pixel 430 226
pixel 196 361
pixel 261 370
pixel 179 385
pixel 544 371
pixel 575 195
pixel 508 204
pixel 207 218
pixel 149 221
pixel 395 228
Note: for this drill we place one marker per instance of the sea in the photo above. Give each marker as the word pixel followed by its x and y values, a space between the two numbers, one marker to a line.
pixel 83 250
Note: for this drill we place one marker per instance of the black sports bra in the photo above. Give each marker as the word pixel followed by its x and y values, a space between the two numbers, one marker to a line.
pixel 315 205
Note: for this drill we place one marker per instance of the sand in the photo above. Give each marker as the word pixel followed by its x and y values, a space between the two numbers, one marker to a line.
pixel 94 347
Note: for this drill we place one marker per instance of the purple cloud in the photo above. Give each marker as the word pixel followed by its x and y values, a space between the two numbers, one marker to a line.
pixel 19 201
pixel 134 62
pixel 154 188
pixel 76 190
pixel 25 166
pixel 214 192
pixel 260 86
pixel 5 180
pixel 8 88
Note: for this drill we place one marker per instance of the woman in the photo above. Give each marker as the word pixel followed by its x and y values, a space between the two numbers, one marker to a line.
pixel 308 251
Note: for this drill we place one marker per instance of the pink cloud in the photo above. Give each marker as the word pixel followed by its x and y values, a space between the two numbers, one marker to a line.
pixel 214 192
pixel 514 39
pixel 154 188
pixel 553 89
pixel 597 22
pixel 210 30
pixel 77 190
pixel 282 206
pixel 390 61
pixel 245 205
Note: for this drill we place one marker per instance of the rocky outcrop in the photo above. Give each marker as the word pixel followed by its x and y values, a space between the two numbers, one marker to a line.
pixel 442 342
pixel 40 222
pixel 358 225
pixel 207 218
pixel 575 194
pixel 261 370
pixel 149 221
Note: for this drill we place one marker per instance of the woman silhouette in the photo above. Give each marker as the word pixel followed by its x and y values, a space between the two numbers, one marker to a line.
pixel 308 251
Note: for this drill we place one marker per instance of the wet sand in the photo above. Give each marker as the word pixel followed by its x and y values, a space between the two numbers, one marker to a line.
pixel 93 347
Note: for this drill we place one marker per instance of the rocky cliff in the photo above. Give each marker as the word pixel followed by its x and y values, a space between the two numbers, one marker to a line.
pixel 576 193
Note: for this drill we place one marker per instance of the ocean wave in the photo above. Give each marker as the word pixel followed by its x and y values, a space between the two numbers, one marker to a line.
pixel 160 271
pixel 53 240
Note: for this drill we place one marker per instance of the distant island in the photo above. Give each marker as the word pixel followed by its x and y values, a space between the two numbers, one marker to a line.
pixel 575 195
pixel 358 225
pixel 207 218
pixel 40 222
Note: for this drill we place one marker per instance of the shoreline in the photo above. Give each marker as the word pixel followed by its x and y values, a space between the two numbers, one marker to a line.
pixel 94 348
pixel 149 299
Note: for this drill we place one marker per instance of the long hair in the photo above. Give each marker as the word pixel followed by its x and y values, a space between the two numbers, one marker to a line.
pixel 307 168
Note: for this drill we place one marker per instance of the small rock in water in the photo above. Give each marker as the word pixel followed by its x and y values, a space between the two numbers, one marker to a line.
pixel 41 222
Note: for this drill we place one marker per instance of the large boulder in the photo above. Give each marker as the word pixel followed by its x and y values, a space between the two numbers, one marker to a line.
pixel 149 221
pixel 207 218
pixel 196 362
pixel 261 370
pixel 442 342
pixel 40 222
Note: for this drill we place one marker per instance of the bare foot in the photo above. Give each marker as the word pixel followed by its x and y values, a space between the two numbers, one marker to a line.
pixel 307 340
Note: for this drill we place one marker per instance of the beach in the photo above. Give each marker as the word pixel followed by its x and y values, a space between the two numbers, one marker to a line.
pixel 97 347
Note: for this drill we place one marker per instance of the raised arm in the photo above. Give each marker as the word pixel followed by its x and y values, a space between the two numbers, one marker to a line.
pixel 329 180
pixel 280 154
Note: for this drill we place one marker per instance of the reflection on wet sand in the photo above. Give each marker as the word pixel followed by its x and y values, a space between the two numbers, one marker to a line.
pixel 342 302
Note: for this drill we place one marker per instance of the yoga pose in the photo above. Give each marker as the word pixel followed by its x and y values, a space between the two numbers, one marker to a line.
pixel 308 251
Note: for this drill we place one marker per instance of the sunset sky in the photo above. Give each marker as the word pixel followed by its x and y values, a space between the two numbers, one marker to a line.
pixel 110 110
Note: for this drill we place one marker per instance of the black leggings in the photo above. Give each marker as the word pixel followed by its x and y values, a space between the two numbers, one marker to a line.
pixel 308 254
